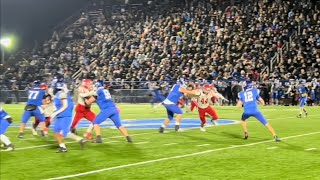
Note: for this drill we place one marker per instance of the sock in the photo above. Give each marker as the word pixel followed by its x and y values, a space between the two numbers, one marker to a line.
pixel 90 128
pixel 177 123
pixel 63 145
pixel 164 126
pixel 73 136
pixel 5 139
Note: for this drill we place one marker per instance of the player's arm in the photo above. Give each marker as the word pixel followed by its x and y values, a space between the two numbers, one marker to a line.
pixel 239 103
pixel 186 91
pixel 88 100
pixel 91 93
pixel 261 101
pixel 218 95
pixel 64 102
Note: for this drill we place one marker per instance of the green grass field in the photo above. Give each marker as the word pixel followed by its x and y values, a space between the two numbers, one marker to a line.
pixel 219 153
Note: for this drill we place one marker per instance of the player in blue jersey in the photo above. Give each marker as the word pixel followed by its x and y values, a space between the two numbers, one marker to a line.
pixel 63 116
pixel 170 103
pixel 33 108
pixel 248 99
pixel 108 109
pixel 156 94
pixel 303 95
pixel 5 121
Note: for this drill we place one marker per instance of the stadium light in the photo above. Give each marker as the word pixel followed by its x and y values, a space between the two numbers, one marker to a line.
pixel 6 42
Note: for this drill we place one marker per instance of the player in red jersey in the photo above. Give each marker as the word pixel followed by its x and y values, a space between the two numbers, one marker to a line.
pixel 83 110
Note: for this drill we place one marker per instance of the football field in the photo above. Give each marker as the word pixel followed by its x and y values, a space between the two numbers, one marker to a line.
pixel 219 153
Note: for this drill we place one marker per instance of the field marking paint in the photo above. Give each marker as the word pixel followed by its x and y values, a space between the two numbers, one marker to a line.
pixel 46 145
pixel 169 144
pixel 311 149
pixel 141 142
pixel 200 145
pixel 176 157
pixel 272 147
pixel 32 147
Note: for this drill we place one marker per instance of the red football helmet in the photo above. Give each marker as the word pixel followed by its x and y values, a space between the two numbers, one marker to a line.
pixel 43 86
pixel 86 83
pixel 207 87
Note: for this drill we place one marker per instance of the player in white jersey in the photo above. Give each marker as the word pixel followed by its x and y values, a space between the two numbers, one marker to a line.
pixel 203 103
pixel 83 110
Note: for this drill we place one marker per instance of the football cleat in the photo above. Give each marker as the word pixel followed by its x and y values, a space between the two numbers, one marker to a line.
pixel 177 127
pixel 246 135
pixel 61 150
pixel 20 135
pixel 34 132
pixel 129 140
pixel 82 143
pixel 10 147
pixel 179 130
pixel 276 138
pixel 98 139
pixel 299 116
pixel 203 129
pixel 306 114
pixel 161 130
pixel 74 131
pixel 214 122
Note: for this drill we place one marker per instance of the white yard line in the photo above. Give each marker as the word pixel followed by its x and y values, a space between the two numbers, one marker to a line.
pixel 272 147
pixel 175 157
pixel 169 144
pixel 311 149
pixel 146 142
pixel 200 145
pixel 46 145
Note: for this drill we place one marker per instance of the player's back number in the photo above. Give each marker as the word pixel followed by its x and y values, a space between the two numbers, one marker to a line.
pixel 248 96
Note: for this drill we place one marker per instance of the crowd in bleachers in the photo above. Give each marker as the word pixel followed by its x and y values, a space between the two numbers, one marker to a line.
pixel 191 39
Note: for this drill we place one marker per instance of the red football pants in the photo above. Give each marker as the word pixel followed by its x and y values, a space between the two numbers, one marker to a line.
pixel 82 112
pixel 209 110
pixel 193 105
pixel 36 122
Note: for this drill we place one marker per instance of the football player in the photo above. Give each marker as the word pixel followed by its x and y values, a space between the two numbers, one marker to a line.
pixel 63 116
pixel 170 103
pixel 303 95
pixel 33 108
pixel 84 110
pixel 248 99
pixel 108 109
pixel 5 121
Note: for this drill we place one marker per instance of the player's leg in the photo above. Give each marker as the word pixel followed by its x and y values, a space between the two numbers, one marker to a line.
pixel 38 113
pixel 25 117
pixel 259 116
pixel 48 122
pixel 65 129
pixel 167 120
pixel 4 124
pixel 302 103
pixel 176 110
pixel 57 129
pixel 34 126
pixel 202 116
pixel 244 118
pixel 102 116
pixel 193 105
pixel 117 122
pixel 90 116
pixel 76 119
pixel 214 115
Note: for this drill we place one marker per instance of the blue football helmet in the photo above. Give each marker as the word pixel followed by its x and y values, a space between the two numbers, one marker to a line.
pixel 36 84
pixel 99 83
pixel 58 85
pixel 248 85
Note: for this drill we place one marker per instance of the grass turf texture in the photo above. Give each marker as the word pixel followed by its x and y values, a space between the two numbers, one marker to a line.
pixel 223 156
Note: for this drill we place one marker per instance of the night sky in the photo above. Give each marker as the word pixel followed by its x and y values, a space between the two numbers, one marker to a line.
pixel 32 20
